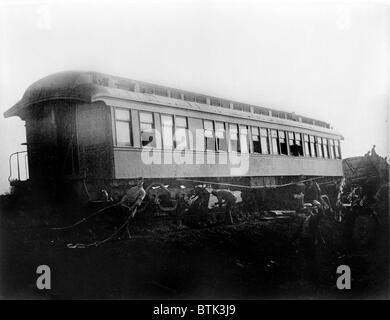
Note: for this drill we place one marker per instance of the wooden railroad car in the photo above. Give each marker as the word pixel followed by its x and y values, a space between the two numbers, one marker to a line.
pixel 93 131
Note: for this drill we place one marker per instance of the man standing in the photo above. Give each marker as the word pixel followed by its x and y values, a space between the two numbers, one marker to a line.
pixel 134 196
pixel 225 196
pixel 312 191
pixel 373 152
pixel 310 238
pixel 132 200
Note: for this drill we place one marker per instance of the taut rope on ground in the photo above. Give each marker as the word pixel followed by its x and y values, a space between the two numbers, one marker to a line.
pixel 98 243
pixel 85 219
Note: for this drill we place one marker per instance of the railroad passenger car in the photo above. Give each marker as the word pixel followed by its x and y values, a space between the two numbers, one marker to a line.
pixel 93 131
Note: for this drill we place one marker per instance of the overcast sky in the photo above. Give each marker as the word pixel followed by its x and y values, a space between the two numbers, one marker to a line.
pixel 325 60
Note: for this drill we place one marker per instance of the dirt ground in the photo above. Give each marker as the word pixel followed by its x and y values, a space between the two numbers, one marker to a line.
pixel 254 258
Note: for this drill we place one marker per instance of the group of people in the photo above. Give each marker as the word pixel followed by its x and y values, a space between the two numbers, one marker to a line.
pixel 134 196
pixel 372 151
pixel 317 204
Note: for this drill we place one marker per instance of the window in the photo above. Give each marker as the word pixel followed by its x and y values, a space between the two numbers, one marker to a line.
pixel 189 97
pixel 220 136
pixel 320 147
pixel 307 145
pixel 264 141
pixel 209 135
pixel 331 149
pixel 244 139
pixel 326 150
pixel 196 128
pixel 181 133
pixel 161 91
pixel 225 104
pixel 148 137
pixel 256 140
pixel 337 149
pixel 146 89
pixel 259 110
pixel 215 102
pixel 313 151
pixel 298 142
pixel 234 142
pixel 277 114
pixel 292 116
pixel 246 108
pixel 283 143
pixel 238 106
pixel 167 131
pixel 274 142
pixel 292 144
pixel 123 127
pixel 175 94
pixel 201 99
pixel 307 120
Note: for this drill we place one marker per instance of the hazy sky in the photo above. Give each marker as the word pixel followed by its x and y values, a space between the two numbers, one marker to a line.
pixel 325 60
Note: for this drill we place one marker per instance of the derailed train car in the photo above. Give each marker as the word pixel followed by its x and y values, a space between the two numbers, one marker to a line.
pixel 88 131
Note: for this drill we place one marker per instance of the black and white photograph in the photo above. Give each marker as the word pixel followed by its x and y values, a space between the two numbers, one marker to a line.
pixel 194 150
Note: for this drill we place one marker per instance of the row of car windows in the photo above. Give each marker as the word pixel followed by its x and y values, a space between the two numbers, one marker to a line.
pixel 180 133
pixel 199 98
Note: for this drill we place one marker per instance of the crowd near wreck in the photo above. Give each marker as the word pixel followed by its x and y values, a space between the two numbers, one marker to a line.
pixel 87 134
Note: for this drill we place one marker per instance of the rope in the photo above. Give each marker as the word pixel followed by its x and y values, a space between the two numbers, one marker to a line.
pixel 98 243
pixel 85 188
pixel 249 187
pixel 84 219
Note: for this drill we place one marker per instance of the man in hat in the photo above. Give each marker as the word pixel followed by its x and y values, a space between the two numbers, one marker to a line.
pixel 229 199
pixel 309 240
pixel 134 196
